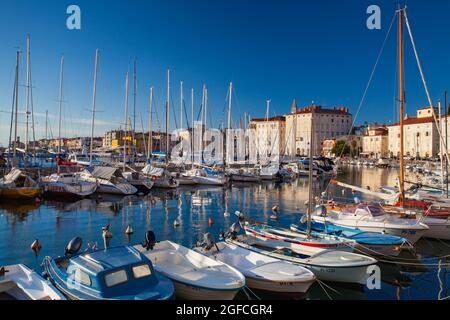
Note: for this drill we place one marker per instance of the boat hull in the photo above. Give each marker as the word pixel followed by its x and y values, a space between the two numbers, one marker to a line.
pixel 289 289
pixel 190 292
pixel 20 193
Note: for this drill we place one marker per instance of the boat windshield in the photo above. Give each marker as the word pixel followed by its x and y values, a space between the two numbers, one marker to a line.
pixel 375 211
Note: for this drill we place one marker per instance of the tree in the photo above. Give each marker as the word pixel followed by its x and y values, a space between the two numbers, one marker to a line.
pixel 341 149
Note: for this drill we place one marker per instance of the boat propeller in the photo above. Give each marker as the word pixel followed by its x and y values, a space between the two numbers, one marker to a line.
pixel 149 241
pixel 73 247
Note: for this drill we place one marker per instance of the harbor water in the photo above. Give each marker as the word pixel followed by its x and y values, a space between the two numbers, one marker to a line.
pixel 419 274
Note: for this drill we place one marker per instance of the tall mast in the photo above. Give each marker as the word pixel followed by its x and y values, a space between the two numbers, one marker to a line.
pixel 230 95
pixel 267 109
pixel 61 79
pixel 181 105
pixel 27 95
pixel 167 116
pixel 17 105
pixel 125 144
pixel 401 104
pixel 134 95
pixel 441 148
pixel 311 162
pixel 192 125
pixel 94 96
pixel 143 133
pixel 150 128
pixel 446 143
pixel 46 126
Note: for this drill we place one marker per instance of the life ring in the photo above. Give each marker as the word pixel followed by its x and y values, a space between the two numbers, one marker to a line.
pixel 154 178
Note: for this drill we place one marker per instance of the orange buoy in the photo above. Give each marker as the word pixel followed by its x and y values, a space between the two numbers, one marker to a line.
pixel 210 221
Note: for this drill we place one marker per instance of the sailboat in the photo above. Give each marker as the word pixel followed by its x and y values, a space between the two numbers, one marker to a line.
pixel 160 175
pixel 68 184
pixel 16 184
pixel 433 228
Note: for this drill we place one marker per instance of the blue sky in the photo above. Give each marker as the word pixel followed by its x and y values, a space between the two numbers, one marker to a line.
pixel 317 51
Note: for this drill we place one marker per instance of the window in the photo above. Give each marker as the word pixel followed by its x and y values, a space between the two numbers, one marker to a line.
pixel 115 278
pixel 426 134
pixel 82 277
pixel 141 271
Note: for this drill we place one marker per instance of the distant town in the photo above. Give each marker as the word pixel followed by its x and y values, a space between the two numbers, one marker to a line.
pixel 334 135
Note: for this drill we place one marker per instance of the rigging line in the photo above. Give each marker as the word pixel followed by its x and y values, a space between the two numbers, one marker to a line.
pixel 186 115
pixel 419 65
pixel 174 114
pixel 368 84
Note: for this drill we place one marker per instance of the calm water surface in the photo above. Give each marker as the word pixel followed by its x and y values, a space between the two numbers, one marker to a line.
pixel 413 276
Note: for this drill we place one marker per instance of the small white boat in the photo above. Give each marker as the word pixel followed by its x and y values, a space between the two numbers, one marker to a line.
pixel 263 272
pixel 370 217
pixel 184 178
pixel 68 185
pixel 438 228
pixel 161 177
pixel 269 172
pixel 138 180
pixel 242 175
pixel 196 277
pixel 335 266
pixel 209 177
pixel 18 282
pixel 109 180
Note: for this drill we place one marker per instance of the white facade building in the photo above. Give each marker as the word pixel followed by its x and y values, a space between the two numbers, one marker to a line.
pixel 328 124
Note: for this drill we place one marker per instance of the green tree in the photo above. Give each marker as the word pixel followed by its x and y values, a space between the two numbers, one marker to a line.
pixel 341 149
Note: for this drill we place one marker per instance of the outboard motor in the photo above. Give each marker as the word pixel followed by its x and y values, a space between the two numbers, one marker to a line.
pixel 73 247
pixel 320 211
pixel 149 241
pixel 232 231
pixel 208 242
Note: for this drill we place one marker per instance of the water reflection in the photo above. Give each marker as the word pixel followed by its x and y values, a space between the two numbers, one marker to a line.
pixel 413 275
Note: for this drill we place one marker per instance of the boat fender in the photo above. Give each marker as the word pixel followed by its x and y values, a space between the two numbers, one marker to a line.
pixel 73 247
pixel 149 241
pixel 106 234
pixel 356 200
pixel 129 230
pixel 36 246
pixel 320 211
pixel 275 208
pixel 210 221
pixel 303 219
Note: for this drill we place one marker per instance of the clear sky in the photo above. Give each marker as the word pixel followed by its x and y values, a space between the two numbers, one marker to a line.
pixel 317 51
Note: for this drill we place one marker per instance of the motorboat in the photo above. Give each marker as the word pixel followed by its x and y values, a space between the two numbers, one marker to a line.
pixel 109 180
pixel 195 276
pixel 83 159
pixel 372 217
pixel 261 272
pixel 17 185
pixel 118 273
pixel 335 266
pixel 300 243
pixel 67 185
pixel 140 181
pixel 243 175
pixel 208 176
pixel 18 282
pixel 269 172
pixel 161 177
pixel 371 243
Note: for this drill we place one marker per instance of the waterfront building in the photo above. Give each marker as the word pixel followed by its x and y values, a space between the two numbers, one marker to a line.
pixel 375 142
pixel 329 123
pixel 270 135
pixel 352 140
pixel 421 137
